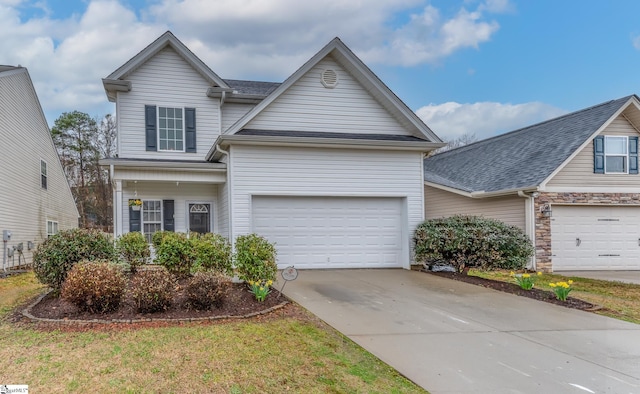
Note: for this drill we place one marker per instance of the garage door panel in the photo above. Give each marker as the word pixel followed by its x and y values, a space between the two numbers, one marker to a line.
pixel 331 232
pixel 608 238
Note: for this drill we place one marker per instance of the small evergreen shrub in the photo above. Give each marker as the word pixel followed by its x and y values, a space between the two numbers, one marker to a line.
pixel 60 252
pixel 213 253
pixel 206 289
pixel 158 237
pixel 176 253
pixel 94 286
pixel 255 258
pixel 472 241
pixel 152 290
pixel 134 249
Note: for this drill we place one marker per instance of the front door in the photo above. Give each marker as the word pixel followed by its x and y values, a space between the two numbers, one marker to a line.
pixel 200 218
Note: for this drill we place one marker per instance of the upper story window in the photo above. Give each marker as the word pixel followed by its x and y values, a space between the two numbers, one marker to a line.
pixel 43 174
pixel 170 129
pixel 615 154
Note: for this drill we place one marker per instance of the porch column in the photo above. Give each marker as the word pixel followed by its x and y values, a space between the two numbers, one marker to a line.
pixel 117 217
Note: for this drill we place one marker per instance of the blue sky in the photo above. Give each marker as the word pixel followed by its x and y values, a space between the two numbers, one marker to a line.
pixel 466 66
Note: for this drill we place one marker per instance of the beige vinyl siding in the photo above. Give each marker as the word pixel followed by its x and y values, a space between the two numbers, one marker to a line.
pixel 181 194
pixel 579 171
pixel 440 203
pixel 284 171
pixel 231 112
pixel 166 80
pixel 308 106
pixel 24 206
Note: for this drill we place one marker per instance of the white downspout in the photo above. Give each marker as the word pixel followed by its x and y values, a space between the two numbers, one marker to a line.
pixel 530 222
pixel 114 205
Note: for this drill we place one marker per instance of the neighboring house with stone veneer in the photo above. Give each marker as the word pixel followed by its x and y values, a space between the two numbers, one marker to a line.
pixel 571 183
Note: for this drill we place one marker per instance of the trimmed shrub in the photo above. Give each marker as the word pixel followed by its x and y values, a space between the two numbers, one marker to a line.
pixel 206 289
pixel 213 253
pixel 255 258
pixel 472 241
pixel 57 254
pixel 134 249
pixel 176 253
pixel 94 286
pixel 152 290
pixel 158 237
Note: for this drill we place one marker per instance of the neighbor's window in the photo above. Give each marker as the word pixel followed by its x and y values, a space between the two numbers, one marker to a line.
pixel 171 129
pixel 616 155
pixel 52 228
pixel 43 174
pixel 151 217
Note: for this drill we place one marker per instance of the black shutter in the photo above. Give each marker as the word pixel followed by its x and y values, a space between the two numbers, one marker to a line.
pixel 167 213
pixel 134 220
pixel 150 127
pixel 598 155
pixel 190 130
pixel 633 155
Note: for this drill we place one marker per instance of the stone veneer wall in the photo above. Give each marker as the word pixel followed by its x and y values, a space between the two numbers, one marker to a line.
pixel 543 224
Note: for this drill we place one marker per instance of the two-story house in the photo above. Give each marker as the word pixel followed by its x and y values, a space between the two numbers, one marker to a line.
pixel 327 164
pixel 35 198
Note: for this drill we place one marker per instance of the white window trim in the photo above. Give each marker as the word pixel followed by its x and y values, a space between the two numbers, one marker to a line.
pixel 142 222
pixel 46 174
pixel 55 224
pixel 212 227
pixel 184 142
pixel 626 156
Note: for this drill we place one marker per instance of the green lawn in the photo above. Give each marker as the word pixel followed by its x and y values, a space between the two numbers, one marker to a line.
pixel 619 300
pixel 287 354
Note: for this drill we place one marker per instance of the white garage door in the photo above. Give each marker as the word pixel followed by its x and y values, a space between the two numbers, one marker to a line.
pixel 331 232
pixel 595 238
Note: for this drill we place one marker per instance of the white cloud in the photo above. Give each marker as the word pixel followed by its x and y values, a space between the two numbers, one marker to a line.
pixel 484 119
pixel 636 42
pixel 257 39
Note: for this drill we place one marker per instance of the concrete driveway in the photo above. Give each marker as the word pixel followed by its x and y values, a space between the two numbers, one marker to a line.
pixel 452 337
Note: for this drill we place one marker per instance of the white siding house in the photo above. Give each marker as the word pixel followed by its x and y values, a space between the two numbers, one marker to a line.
pixel 35 199
pixel 327 164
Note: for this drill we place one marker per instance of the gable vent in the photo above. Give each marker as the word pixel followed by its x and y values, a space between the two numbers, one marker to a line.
pixel 329 78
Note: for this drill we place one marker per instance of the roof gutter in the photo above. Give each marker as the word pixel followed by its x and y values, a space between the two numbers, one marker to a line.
pixel 482 193
pixel 319 142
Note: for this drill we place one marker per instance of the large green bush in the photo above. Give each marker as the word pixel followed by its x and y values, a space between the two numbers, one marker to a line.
pixel 95 286
pixel 177 253
pixel 152 290
pixel 58 254
pixel 472 241
pixel 255 258
pixel 213 253
pixel 134 249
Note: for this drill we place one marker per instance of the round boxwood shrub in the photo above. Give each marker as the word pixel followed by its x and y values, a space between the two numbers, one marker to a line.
pixel 176 252
pixel 57 254
pixel 472 241
pixel 94 286
pixel 255 258
pixel 134 249
pixel 213 253
pixel 206 289
pixel 152 290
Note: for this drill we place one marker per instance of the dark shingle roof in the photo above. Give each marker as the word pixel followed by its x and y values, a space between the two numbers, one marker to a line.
pixel 521 158
pixel 252 87
pixel 314 134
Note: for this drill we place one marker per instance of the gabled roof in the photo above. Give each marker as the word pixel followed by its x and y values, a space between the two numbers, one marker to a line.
pixel 524 158
pixel 363 74
pixel 115 80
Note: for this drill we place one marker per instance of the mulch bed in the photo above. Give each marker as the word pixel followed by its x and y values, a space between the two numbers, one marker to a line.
pixel 536 294
pixel 238 302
